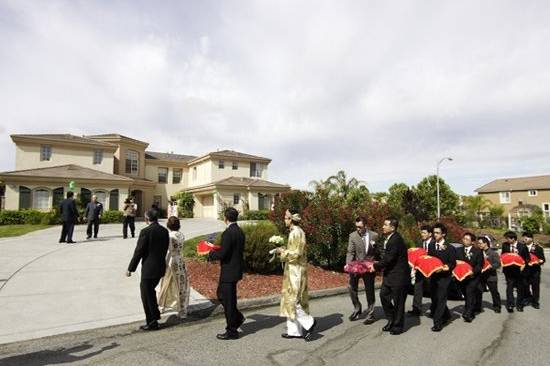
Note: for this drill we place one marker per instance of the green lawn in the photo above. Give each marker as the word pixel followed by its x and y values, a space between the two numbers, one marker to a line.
pixel 16 230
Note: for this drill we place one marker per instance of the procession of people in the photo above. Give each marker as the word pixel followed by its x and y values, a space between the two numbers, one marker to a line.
pixel 159 251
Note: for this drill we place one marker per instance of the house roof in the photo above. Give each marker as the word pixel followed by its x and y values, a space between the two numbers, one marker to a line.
pixel 242 182
pixel 153 155
pixel 66 138
pixel 116 137
pixel 516 184
pixel 69 171
pixel 230 154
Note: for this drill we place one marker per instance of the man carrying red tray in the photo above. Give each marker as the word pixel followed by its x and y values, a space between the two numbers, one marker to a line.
pixel 513 275
pixel 469 286
pixel 489 276
pixel 440 281
pixel 532 271
pixel 419 280
pixel 362 246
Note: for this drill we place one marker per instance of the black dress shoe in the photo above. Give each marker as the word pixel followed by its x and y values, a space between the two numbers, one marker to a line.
pixel 414 312
pixel 430 315
pixel 286 336
pixel 227 336
pixel 520 308
pixel 437 328
pixel 151 326
pixel 309 333
pixel 497 309
pixel 468 319
pixel 396 331
pixel 88 237
pixel 369 320
pixel 62 241
pixel 71 242
pixel 510 309
pixel 241 322
pixel 387 327
pixel 536 306
pixel 355 314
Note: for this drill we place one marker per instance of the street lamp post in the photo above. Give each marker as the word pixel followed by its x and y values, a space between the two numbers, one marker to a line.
pixel 438 198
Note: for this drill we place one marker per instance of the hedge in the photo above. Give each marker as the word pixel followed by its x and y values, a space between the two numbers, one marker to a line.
pixel 36 217
pixel 254 215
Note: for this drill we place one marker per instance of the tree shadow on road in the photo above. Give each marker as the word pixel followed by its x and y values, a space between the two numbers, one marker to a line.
pixel 55 356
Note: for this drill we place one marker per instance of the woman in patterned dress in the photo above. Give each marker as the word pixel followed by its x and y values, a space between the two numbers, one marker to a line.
pixel 174 286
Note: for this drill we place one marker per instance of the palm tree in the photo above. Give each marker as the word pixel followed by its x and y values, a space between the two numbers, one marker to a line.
pixel 477 205
pixel 340 185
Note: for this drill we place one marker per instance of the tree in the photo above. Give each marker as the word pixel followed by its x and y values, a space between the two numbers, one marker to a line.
pixel 341 186
pixel 475 206
pixel 395 198
pixel 426 192
pixel 358 197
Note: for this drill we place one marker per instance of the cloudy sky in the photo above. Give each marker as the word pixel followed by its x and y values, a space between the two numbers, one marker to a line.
pixel 380 89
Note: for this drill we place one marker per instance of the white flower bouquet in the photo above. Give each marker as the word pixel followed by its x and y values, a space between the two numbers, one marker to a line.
pixel 277 239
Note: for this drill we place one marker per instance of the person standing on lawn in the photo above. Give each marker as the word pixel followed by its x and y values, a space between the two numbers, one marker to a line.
pixel 419 280
pixel 232 262
pixel 69 215
pixel 362 246
pixel 295 297
pixel 94 210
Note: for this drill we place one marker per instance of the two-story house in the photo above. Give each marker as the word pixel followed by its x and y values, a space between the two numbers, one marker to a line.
pixel 115 167
pixel 519 196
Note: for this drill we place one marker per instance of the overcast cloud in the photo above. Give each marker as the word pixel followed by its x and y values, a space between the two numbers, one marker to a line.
pixel 379 89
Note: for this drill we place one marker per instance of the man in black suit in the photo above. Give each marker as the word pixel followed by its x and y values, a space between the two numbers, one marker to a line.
pixel 69 215
pixel 419 280
pixel 440 281
pixel 94 210
pixel 396 277
pixel 232 262
pixel 469 286
pixel 532 273
pixel 151 249
pixel 513 274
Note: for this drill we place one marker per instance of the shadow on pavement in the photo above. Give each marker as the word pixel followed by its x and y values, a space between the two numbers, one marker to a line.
pixel 55 356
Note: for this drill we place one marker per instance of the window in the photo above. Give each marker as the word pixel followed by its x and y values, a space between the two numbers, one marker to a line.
pixel 113 200
pixel 221 164
pixel 98 157
pixel 505 197
pixel 546 209
pixel 236 198
pixel 533 193
pixel 132 162
pixel 163 175
pixel 157 201
pixel 24 198
pixel 45 152
pixel 57 196
pixel 194 173
pixel 264 201
pixel 176 179
pixel 84 197
pixel 235 165
pixel 256 170
pixel 41 199
pixel 101 197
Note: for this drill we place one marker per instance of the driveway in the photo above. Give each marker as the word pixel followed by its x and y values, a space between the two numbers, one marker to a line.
pixel 48 288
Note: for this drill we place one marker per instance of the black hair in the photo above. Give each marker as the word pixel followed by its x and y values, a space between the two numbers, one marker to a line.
pixel 528 234
pixel 511 235
pixel 471 235
pixel 70 194
pixel 173 223
pixel 428 228
pixel 393 222
pixel 362 219
pixel 231 214
pixel 441 227
pixel 485 240
pixel 152 214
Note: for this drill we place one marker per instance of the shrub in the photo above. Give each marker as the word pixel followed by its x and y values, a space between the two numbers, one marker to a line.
pixel 9 217
pixel 295 199
pixel 112 217
pixel 546 226
pixel 254 215
pixel 28 217
pixel 257 247
pixel 530 224
pixel 186 203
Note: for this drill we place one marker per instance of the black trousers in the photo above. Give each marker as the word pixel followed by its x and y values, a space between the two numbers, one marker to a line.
pixel 493 289
pixel 149 298
pixel 393 302
pixel 439 291
pixel 368 281
pixel 533 285
pixel 95 224
pixel 419 283
pixel 227 295
pixel 470 289
pixel 514 280
pixel 67 231
pixel 129 221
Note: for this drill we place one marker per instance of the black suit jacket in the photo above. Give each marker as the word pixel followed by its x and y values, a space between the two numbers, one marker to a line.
pixel 395 262
pixel 231 254
pixel 539 252
pixel 151 249
pixel 420 244
pixel 475 260
pixel 447 256
pixel 68 210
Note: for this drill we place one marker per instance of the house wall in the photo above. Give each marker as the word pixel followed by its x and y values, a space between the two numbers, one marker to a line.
pixel 543 196
pixel 27 156
pixel 204 174
pixel 120 160
pixel 166 190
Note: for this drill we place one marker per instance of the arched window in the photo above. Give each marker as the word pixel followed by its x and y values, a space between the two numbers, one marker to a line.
pixel 41 199
pixel 113 200
pixel 24 197
pixel 58 195
pixel 101 197
pixel 85 197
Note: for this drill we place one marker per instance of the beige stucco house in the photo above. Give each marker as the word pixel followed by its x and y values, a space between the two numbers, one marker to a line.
pixel 519 196
pixel 115 167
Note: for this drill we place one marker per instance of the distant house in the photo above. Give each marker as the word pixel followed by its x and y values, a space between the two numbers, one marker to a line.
pixel 115 167
pixel 519 196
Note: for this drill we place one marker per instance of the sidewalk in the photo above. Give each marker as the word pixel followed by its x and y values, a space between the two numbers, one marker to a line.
pixel 48 288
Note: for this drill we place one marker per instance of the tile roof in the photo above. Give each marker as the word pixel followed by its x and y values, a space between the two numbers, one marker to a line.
pixel 63 138
pixel 516 184
pixel 232 154
pixel 69 171
pixel 153 155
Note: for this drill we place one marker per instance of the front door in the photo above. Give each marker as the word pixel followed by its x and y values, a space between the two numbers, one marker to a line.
pixel 137 195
